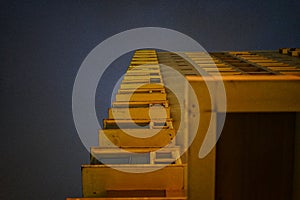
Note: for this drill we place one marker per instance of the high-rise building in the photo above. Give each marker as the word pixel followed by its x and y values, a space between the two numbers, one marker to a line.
pixel 160 140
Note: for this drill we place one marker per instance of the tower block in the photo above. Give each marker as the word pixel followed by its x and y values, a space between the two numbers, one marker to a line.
pixel 143 152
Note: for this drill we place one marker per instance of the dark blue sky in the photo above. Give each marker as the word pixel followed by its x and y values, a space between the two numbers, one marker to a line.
pixel 43 45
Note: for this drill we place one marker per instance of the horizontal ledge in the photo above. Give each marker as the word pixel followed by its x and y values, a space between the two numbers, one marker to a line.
pixel 158 166
pixel 131 198
pixel 245 78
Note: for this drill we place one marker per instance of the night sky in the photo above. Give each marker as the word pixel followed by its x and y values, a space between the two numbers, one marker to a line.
pixel 43 45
